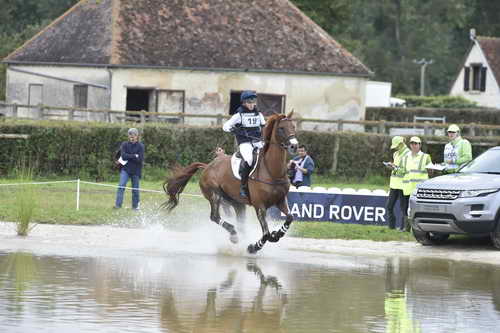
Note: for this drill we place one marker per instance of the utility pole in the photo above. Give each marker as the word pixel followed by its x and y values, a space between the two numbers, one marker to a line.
pixel 423 64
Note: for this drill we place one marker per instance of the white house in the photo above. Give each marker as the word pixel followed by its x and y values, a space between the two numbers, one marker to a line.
pixel 479 77
pixel 188 56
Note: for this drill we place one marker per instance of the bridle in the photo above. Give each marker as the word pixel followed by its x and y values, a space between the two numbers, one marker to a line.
pixel 285 141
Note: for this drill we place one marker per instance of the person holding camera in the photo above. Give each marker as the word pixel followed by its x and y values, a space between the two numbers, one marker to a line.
pixel 300 168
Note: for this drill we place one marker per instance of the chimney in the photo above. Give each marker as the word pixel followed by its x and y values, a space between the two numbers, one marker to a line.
pixel 472 34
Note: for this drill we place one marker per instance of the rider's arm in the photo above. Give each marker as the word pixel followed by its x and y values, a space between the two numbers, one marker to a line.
pixel 232 122
pixel 262 119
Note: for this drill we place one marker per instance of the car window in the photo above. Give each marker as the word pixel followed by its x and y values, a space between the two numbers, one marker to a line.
pixel 487 162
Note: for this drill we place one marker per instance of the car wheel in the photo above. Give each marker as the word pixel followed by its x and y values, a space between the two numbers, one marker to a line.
pixel 429 238
pixel 495 236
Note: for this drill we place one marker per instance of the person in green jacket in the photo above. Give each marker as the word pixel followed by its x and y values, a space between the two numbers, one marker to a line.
pixel 457 152
pixel 396 182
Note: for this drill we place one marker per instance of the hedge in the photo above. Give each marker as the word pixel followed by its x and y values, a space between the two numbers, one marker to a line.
pixel 79 149
pixel 457 116
pixel 453 102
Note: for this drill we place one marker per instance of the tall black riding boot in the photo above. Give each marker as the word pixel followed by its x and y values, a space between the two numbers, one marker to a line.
pixel 244 172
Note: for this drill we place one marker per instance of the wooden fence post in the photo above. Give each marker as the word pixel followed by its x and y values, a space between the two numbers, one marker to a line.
pixel 71 114
pixel 143 117
pixel 38 111
pixel 427 129
pixel 381 127
pixel 219 119
pixel 472 129
pixel 340 125
pixel 14 110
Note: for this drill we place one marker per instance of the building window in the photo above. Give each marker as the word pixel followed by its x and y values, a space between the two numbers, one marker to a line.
pixel 80 93
pixel 475 77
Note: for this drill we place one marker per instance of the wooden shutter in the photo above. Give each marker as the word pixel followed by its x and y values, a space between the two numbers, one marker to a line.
pixel 466 78
pixel 483 79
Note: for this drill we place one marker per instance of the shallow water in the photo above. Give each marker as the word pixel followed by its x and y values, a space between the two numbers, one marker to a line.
pixel 109 291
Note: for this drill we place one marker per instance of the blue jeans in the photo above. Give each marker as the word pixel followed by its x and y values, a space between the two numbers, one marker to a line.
pixel 124 176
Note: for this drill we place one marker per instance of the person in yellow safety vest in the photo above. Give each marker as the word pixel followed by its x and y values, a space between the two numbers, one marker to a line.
pixel 457 152
pixel 396 181
pixel 414 165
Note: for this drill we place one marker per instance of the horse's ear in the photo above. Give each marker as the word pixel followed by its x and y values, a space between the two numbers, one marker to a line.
pixel 290 114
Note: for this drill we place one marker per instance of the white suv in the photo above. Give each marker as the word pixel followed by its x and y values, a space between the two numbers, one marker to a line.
pixel 467 202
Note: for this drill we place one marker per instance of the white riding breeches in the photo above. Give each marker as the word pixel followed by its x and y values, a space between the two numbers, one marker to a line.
pixel 246 150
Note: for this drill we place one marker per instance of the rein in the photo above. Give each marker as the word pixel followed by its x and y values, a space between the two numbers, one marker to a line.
pixel 279 181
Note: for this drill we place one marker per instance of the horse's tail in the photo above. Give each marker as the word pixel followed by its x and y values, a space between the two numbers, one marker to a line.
pixel 174 185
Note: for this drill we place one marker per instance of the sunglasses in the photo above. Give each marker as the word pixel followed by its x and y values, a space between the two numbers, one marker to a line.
pixel 451 132
pixel 415 143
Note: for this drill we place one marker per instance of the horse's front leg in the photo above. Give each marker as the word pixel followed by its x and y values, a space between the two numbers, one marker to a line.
pixel 276 235
pixel 261 215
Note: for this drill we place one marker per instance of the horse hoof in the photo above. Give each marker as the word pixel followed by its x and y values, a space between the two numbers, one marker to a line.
pixel 251 249
pixel 273 238
pixel 234 238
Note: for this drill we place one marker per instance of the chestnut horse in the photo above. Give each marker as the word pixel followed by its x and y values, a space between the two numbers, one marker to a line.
pixel 267 186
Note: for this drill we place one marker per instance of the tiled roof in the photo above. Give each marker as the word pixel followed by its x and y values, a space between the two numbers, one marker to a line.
pixel 267 35
pixel 491 50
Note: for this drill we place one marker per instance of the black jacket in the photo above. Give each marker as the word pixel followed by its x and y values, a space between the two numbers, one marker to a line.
pixel 128 151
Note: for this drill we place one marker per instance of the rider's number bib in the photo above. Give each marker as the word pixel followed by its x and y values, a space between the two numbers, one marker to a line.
pixel 250 120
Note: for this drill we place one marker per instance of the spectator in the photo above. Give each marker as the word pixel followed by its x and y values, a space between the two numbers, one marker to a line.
pixel 457 152
pixel 131 157
pixel 396 181
pixel 301 168
pixel 414 165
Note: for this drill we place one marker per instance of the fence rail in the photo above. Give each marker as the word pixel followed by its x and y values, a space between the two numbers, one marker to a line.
pixel 373 126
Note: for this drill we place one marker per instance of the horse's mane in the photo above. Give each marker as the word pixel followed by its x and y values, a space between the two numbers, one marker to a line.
pixel 268 129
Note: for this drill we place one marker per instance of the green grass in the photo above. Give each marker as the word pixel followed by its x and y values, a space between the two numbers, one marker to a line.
pixel 327 230
pixel 57 204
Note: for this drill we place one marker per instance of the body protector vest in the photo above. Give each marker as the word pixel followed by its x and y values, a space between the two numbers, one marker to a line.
pixel 251 125
pixel 416 171
pixel 396 181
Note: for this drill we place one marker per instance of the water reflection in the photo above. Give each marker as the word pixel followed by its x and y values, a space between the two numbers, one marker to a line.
pixel 189 293
pixel 20 269
pixel 228 306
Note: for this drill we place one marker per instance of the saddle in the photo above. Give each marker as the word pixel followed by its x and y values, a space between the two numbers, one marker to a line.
pixel 236 160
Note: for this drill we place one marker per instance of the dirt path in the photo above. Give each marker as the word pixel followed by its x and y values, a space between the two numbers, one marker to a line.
pixel 63 239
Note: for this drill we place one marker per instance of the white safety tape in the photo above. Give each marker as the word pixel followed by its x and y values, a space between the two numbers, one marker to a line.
pixel 97 184
pixel 41 183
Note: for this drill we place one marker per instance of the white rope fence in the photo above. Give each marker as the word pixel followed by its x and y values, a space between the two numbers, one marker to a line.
pixel 78 182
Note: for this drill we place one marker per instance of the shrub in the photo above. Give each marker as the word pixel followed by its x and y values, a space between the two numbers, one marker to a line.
pixel 450 102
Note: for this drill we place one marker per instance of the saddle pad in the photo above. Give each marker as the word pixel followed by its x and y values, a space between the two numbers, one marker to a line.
pixel 236 161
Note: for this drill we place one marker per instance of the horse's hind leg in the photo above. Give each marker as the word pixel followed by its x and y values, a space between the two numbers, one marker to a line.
pixel 215 201
pixel 261 215
pixel 240 210
pixel 276 235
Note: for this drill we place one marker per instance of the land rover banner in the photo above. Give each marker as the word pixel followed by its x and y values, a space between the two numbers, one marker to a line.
pixel 337 207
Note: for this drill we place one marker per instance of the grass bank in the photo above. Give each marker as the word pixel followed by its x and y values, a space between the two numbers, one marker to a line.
pixel 57 205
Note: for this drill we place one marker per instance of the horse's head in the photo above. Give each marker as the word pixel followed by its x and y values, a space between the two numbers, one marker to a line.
pixel 286 134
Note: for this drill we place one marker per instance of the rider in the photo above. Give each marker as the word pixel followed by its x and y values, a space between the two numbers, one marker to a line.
pixel 247 125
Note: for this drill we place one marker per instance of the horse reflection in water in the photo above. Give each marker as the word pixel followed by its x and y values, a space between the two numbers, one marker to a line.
pixel 228 308
pixel 268 186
